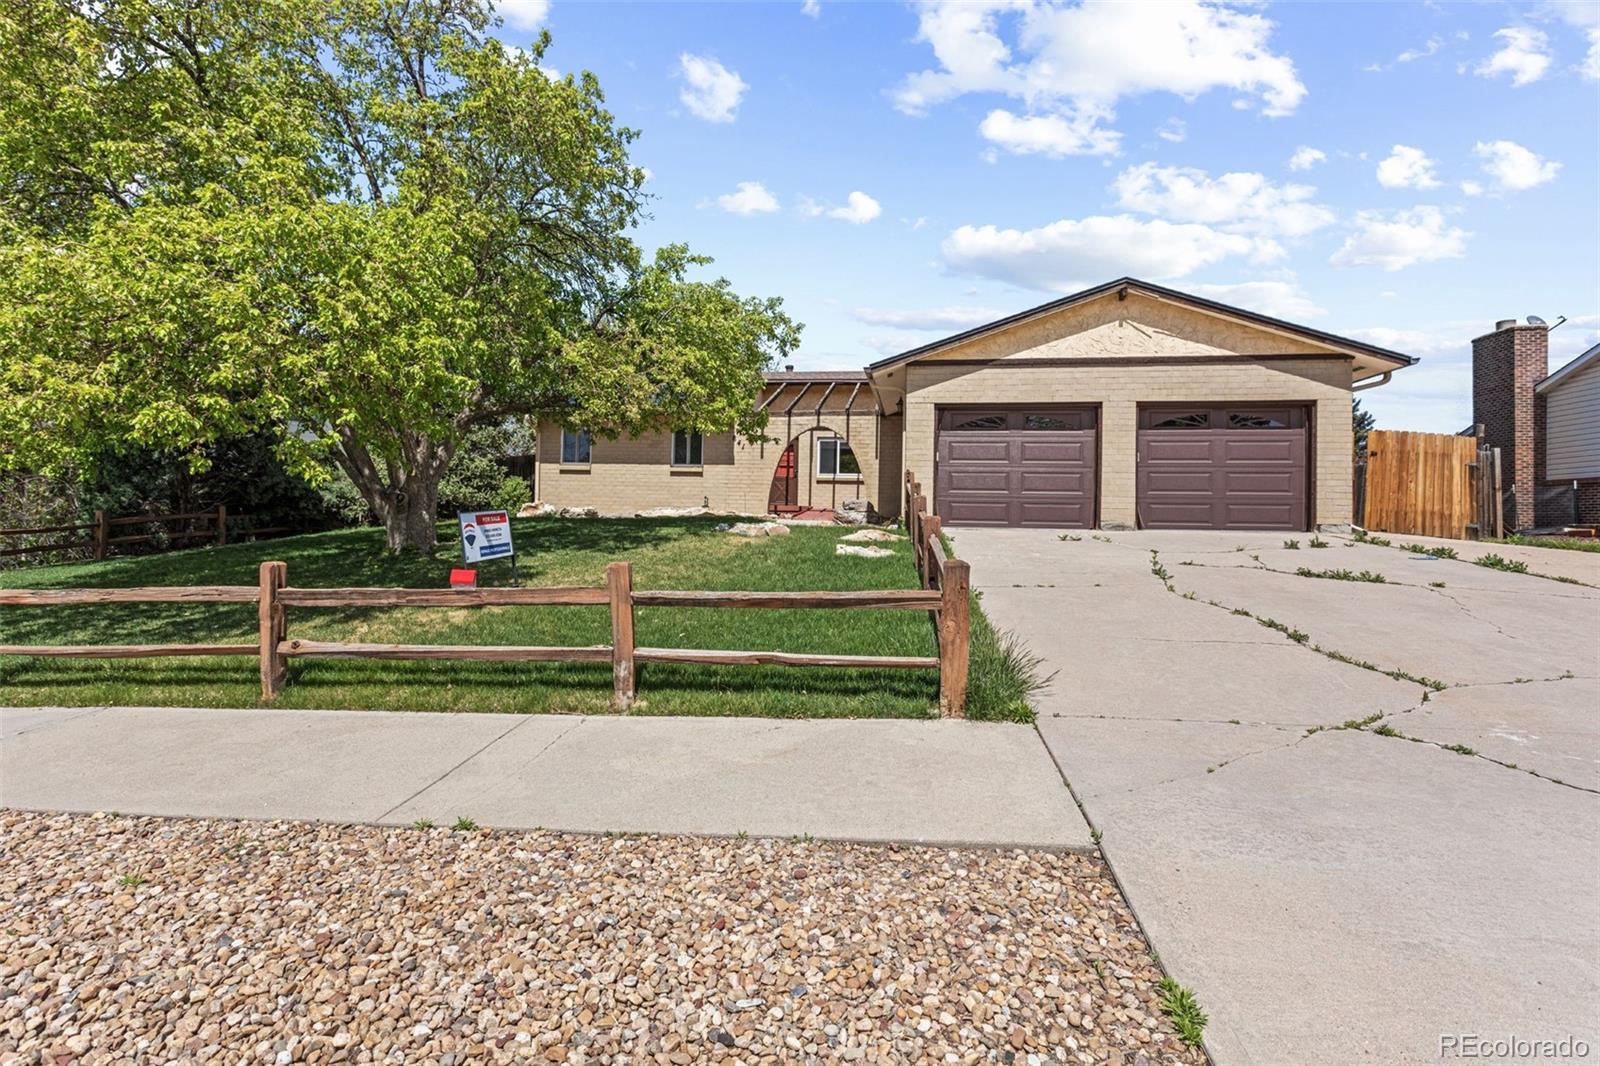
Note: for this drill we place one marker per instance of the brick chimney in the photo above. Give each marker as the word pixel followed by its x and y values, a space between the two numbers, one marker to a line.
pixel 1506 365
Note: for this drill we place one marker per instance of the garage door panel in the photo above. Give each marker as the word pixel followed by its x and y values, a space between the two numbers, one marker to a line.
pixel 1244 450
pixel 1184 447
pixel 979 480
pixel 1074 452
pixel 979 448
pixel 1217 468
pixel 1017 468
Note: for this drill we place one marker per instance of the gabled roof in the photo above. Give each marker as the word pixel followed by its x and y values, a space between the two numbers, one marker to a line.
pixel 1158 292
pixel 1567 371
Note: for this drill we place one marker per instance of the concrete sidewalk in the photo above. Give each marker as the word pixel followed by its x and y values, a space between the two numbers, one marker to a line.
pixel 915 781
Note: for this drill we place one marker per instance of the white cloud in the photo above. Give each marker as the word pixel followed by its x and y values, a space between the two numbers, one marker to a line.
pixel 1242 201
pixel 1305 158
pixel 1525 56
pixel 1074 63
pixel 1280 299
pixel 749 198
pixel 811 9
pixel 857 209
pixel 1471 188
pixel 523 14
pixel 1584 15
pixel 1067 255
pixel 1174 129
pixel 710 90
pixel 930 318
pixel 1051 135
pixel 1514 167
pixel 1400 239
pixel 1407 168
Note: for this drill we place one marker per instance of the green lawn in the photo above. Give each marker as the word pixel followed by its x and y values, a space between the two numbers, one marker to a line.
pixel 681 553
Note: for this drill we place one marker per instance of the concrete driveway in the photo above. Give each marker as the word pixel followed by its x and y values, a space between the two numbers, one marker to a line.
pixel 1333 894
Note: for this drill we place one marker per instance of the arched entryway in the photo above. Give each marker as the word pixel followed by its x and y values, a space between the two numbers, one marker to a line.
pixel 816 471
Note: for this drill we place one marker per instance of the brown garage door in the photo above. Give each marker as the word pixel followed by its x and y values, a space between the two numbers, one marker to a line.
pixel 1016 468
pixel 1222 467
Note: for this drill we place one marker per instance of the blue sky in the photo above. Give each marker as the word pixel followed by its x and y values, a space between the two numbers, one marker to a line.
pixel 1406 174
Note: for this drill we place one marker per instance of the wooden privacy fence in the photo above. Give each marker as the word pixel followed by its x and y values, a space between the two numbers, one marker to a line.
pixel 104 532
pixel 274 597
pixel 1432 485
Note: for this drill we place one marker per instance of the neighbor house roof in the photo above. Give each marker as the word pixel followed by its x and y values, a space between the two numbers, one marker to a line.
pixel 786 376
pixel 1157 292
pixel 1567 371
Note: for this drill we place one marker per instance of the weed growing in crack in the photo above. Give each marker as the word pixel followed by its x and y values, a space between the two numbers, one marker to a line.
pixel 1317 542
pixel 1386 730
pixel 1241 612
pixel 1161 572
pixel 1095 835
pixel 464 825
pixel 1342 574
pixel 1102 540
pixel 1288 631
pixel 1436 584
pixel 1069 536
pixel 1361 723
pixel 1178 1003
pixel 1495 562
pixel 1459 749
pixel 1442 552
pixel 1292 545
pixel 1315 729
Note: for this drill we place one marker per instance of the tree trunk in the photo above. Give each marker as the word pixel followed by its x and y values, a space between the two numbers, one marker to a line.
pixel 403 493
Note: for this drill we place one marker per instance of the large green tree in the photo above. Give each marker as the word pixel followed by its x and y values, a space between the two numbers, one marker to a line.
pixel 364 224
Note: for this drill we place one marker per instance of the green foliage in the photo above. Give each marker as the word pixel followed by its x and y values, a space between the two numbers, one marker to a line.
pixel 1495 562
pixel 1178 1004
pixel 1342 574
pixel 362 227
pixel 1292 545
pixel 475 478
pixel 1002 673
pixel 1361 423
pixel 1576 544
pixel 464 824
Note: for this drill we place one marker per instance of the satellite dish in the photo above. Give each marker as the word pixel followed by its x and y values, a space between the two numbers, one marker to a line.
pixel 1535 320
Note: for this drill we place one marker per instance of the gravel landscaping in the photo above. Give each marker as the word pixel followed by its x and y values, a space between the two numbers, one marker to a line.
pixel 163 940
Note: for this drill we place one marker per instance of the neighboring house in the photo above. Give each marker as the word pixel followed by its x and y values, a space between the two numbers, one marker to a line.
pixel 1126 405
pixel 1547 426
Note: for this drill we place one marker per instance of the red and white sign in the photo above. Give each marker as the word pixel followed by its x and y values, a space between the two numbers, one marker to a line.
pixel 485 535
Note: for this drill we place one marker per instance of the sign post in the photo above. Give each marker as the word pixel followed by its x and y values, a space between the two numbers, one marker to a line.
pixel 487 535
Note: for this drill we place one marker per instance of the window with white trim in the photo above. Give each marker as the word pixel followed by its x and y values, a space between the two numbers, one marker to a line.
pixel 688 448
pixel 835 459
pixel 575 447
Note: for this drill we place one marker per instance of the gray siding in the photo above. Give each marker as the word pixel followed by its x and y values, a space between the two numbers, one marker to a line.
pixel 1572 427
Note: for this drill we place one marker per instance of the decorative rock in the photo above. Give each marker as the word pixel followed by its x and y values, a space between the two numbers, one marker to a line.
pixel 759 529
pixel 290 942
pixel 671 512
pixel 864 552
pixel 870 535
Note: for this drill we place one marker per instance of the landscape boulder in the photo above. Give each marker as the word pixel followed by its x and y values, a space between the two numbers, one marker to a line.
pixel 863 550
pixel 867 535
pixel 759 529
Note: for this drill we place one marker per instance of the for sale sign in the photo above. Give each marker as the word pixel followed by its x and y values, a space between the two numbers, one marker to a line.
pixel 485 535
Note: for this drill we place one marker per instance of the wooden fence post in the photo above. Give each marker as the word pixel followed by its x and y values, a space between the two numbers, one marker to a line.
pixel 222 525
pixel 274 629
pixel 619 583
pixel 930 534
pixel 955 638
pixel 102 535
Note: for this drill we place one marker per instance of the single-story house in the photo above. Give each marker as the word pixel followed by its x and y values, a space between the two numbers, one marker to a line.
pixel 1547 426
pixel 1125 405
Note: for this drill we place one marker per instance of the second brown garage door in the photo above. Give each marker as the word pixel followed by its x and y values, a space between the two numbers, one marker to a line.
pixel 1222 467
pixel 1016 468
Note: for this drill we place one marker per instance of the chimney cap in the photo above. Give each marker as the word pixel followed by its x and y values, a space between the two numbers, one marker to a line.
pixel 788 368
pixel 1504 323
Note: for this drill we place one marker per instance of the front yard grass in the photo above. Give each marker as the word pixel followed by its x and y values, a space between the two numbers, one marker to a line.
pixel 673 553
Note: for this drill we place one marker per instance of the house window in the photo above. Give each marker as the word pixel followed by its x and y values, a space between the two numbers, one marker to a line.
pixel 977 422
pixel 1258 419
pixel 688 448
pixel 1044 422
pixel 575 447
pixel 836 460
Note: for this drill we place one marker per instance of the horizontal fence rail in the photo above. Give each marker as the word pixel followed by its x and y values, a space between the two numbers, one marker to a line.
pixel 945 599
pixel 101 540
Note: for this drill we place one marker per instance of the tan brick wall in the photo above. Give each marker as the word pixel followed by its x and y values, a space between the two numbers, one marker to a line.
pixel 1321 381
pixel 633 474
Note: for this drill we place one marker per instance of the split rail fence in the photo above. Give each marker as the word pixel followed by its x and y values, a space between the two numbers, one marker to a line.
pixel 1432 485
pixel 947 603
pixel 106 532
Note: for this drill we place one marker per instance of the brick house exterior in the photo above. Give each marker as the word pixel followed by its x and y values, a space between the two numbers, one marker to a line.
pixel 1126 405
pixel 1512 390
